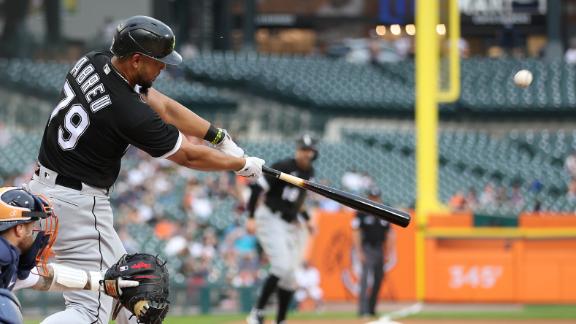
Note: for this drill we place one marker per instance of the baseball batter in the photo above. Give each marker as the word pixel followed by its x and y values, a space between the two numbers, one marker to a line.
pixel 279 228
pixel 107 104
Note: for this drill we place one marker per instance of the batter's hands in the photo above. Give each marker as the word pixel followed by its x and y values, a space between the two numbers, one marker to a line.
pixel 251 226
pixel 228 147
pixel 252 168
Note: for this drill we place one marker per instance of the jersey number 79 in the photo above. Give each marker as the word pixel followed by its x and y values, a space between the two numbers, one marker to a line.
pixel 75 123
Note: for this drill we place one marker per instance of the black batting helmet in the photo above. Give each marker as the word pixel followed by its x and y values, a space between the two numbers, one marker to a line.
pixel 308 142
pixel 148 36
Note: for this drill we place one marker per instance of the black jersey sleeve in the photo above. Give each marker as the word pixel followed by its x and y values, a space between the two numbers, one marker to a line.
pixel 255 190
pixel 283 165
pixel 148 132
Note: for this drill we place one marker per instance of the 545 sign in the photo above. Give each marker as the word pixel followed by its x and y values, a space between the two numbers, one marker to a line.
pixel 476 276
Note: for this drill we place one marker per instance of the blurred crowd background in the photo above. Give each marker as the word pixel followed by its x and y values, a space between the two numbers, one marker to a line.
pixel 343 69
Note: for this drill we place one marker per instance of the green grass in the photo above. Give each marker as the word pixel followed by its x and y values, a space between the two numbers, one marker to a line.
pixel 526 312
pixel 229 318
pixel 204 319
pixel 224 319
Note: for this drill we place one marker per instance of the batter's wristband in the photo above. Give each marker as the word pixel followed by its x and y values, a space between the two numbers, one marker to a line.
pixel 214 135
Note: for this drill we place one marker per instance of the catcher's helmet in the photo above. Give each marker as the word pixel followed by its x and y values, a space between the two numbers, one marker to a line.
pixel 307 142
pixel 148 36
pixel 18 206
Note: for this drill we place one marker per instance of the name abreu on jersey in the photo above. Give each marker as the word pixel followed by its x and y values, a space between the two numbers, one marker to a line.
pixel 89 82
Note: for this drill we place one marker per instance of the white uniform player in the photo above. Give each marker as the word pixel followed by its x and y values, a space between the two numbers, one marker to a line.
pixel 279 229
pixel 108 104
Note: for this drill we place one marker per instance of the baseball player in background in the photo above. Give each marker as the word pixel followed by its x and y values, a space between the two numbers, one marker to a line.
pixel 28 228
pixel 370 236
pixel 281 226
pixel 107 104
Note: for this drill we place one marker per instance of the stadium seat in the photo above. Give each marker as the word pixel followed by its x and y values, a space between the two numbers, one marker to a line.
pixel 46 79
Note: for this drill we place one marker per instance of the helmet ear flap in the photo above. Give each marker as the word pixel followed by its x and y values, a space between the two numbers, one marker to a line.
pixel 315 157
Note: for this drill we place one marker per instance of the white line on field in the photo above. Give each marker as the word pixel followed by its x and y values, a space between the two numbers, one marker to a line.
pixel 403 312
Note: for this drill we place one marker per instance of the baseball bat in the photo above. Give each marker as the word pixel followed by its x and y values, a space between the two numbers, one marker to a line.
pixel 362 204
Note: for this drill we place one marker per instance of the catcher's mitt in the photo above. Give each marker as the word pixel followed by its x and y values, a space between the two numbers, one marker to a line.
pixel 149 300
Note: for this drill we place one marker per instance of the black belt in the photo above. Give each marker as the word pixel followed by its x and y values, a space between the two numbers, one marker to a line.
pixel 65 181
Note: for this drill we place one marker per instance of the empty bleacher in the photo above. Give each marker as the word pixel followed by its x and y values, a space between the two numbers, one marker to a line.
pixel 328 85
pixel 18 153
pixel 325 84
pixel 322 83
pixel 468 159
pixel 487 86
pixel 472 159
pixel 45 79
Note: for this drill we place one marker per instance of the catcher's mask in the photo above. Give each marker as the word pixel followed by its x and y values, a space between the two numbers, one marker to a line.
pixel 18 206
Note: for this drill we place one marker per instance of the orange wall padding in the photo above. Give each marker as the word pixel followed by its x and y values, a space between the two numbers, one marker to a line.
pixel 523 270
pixel 456 219
pixel 330 251
pixel 547 220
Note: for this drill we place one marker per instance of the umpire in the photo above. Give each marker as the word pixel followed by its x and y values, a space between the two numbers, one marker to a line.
pixel 371 234
pixel 281 226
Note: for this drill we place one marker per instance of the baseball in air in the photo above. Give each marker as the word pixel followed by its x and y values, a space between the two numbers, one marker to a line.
pixel 523 78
